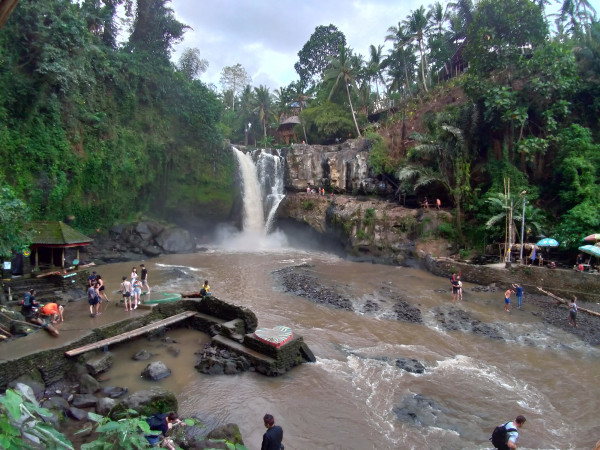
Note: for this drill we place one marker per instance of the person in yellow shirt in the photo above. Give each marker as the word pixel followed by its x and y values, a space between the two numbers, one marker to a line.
pixel 205 289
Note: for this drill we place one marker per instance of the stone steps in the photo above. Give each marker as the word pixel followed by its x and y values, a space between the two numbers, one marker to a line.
pixel 240 349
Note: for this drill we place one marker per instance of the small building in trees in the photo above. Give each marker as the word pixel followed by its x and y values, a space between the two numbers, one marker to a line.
pixel 286 129
pixel 53 244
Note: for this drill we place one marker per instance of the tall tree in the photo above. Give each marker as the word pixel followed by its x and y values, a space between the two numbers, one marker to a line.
pixel 190 63
pixel 417 25
pixel 375 67
pixel 262 106
pixel 398 61
pixel 234 78
pixel 344 68
pixel 496 39
pixel 314 57
pixel 155 30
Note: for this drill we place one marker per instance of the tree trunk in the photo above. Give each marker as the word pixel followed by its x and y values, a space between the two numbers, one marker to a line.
pixel 352 109
pixel 422 66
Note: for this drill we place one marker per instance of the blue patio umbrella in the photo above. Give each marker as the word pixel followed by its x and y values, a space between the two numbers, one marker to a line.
pixel 547 242
pixel 590 250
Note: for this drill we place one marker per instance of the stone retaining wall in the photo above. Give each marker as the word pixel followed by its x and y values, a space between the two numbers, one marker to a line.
pixel 561 282
pixel 53 364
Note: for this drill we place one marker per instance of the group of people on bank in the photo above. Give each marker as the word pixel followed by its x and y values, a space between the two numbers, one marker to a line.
pixel 132 289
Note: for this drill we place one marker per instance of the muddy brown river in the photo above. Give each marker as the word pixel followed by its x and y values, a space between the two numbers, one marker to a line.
pixel 355 396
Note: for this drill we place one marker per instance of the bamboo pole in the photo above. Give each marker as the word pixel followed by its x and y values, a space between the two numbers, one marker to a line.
pixel 566 302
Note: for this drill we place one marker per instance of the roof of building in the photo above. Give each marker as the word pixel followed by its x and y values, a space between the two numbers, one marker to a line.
pixel 46 232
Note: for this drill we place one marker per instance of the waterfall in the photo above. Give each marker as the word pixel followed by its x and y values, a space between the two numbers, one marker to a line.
pixel 262 186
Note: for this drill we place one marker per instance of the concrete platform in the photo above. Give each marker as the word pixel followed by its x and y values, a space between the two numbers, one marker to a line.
pixel 78 324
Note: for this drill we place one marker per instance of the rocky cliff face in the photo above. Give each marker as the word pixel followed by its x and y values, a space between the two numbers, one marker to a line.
pixel 341 168
pixel 368 228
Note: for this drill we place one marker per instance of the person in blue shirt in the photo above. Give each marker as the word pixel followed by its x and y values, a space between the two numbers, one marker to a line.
pixel 519 292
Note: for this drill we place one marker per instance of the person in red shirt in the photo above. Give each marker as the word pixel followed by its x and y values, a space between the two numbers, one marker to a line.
pixel 54 310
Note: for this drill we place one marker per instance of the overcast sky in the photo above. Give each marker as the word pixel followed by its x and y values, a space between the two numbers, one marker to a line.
pixel 265 36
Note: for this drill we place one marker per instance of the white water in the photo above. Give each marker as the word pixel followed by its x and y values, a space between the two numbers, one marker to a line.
pixel 262 191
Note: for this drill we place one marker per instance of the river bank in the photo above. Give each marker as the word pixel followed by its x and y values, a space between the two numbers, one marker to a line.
pixel 397 314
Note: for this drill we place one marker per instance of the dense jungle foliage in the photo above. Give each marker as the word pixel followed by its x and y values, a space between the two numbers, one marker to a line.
pixel 100 131
pixel 103 130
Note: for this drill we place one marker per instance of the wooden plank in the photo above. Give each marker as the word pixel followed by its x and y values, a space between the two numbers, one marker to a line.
pixel 130 334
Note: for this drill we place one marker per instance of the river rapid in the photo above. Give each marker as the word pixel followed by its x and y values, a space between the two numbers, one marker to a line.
pixel 355 396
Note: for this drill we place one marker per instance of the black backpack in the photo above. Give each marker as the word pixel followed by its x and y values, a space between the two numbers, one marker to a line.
pixel 500 435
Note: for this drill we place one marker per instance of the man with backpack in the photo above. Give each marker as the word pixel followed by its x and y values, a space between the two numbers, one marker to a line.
pixel 505 436
pixel 28 304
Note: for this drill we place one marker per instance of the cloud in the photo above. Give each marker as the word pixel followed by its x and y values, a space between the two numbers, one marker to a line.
pixel 266 36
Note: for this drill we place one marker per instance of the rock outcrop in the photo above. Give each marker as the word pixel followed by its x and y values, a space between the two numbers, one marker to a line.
pixel 368 228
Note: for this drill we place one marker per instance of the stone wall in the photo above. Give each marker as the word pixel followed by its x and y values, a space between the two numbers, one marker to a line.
pixel 53 364
pixel 341 168
pixel 564 283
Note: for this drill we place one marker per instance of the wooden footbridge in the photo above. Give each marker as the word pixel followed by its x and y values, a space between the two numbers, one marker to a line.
pixel 131 334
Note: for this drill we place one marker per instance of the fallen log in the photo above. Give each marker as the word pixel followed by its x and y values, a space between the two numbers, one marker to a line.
pixel 5 331
pixel 566 302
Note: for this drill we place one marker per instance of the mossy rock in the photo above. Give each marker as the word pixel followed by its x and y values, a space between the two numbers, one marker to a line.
pixel 146 403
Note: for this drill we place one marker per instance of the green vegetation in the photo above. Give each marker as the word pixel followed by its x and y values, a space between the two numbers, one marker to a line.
pixel 24 424
pixel 103 131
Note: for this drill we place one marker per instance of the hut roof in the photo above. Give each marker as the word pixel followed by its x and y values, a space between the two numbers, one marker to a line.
pixel 292 119
pixel 48 232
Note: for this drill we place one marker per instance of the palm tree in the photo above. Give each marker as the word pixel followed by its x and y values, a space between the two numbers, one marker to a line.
pixel 297 93
pixel 398 58
pixel 344 68
pixel 417 24
pixel 262 106
pixel 375 66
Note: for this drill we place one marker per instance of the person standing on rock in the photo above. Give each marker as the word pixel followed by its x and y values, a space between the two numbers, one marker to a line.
pixel 460 288
pixel 519 292
pixel 273 436
pixel 573 312
pixel 455 288
pixel 507 295
pixel 136 291
pixel 145 278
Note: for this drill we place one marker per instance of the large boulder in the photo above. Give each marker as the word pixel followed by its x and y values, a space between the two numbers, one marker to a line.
pixel 146 403
pixel 84 400
pixel 99 364
pixel 34 382
pixel 156 371
pixel 88 384
pixel 176 240
pixel 104 405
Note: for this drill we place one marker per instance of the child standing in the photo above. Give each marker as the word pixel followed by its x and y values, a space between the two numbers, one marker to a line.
pixel 573 312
